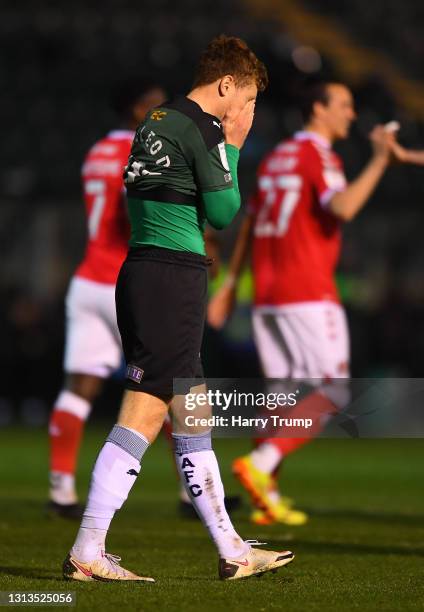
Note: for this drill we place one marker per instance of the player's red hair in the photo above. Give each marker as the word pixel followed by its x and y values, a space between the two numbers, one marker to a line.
pixel 230 55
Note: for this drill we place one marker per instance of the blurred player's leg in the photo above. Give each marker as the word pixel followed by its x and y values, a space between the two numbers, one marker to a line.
pixel 92 352
pixel 71 410
pixel 305 343
pixel 258 472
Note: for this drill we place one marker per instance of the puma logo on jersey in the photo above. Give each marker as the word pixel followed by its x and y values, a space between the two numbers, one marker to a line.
pixel 218 125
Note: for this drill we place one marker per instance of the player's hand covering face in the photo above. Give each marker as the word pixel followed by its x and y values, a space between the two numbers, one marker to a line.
pixel 238 118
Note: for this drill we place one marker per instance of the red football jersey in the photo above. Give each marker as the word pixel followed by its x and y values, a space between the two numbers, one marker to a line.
pixel 296 241
pixel 104 195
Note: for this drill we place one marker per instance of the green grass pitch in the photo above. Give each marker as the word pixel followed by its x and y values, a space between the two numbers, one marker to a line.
pixel 363 548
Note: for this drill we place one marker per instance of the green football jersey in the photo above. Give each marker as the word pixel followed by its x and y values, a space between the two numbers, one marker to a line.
pixel 178 155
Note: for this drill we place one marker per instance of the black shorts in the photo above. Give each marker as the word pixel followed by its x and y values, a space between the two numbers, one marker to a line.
pixel 161 298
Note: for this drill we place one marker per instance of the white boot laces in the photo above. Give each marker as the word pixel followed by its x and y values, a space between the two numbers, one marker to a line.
pixel 114 561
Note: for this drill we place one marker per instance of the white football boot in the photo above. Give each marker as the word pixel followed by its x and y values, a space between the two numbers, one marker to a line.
pixel 254 563
pixel 106 569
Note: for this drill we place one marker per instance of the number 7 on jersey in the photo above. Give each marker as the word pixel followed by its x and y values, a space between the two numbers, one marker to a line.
pixel 282 192
pixel 96 188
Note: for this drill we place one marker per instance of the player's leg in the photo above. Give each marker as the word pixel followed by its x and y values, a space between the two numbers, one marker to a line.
pixel 92 351
pixel 323 343
pixel 71 410
pixel 117 467
pixel 199 472
pixel 258 470
pixel 147 338
pixel 317 337
pixel 200 476
pixel 159 345
pixel 185 507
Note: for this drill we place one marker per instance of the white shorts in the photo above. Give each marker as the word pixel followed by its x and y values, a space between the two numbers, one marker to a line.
pixel 93 343
pixel 309 340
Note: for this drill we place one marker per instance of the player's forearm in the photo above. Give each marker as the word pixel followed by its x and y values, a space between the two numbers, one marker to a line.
pixel 242 244
pixel 349 202
pixel 414 157
pixel 233 155
pixel 222 206
pixel 241 249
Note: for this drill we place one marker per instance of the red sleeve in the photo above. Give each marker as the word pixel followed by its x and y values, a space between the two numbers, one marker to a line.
pixel 325 171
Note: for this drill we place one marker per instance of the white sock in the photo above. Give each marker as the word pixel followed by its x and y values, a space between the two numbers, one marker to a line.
pixel 114 474
pixel 200 475
pixel 266 457
pixel 62 488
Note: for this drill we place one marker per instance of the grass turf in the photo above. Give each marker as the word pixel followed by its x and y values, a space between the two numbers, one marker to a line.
pixel 362 549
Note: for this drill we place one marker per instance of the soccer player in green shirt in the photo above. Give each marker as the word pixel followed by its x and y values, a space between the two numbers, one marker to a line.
pixel 182 173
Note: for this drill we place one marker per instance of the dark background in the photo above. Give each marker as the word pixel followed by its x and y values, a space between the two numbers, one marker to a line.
pixel 58 63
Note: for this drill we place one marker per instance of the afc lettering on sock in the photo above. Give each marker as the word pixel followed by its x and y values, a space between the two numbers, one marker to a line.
pixel 195 489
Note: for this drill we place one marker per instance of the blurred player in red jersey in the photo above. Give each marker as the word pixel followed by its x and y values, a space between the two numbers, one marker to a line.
pixel 299 325
pixel 93 344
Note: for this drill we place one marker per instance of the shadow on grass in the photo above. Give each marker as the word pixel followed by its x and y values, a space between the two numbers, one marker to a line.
pixel 368 515
pixel 36 573
pixel 355 549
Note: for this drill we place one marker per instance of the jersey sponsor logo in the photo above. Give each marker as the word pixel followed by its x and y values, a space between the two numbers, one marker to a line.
pixel 135 169
pixel 223 155
pixel 134 373
pixel 281 164
pixel 102 167
pixel 158 115
pixel 104 149
pixel 288 147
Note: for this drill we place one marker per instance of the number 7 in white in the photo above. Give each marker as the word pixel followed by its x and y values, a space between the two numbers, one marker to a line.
pixel 283 191
pixel 97 189
pixel 291 184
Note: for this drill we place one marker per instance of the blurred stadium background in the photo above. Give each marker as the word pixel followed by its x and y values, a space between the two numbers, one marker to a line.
pixel 363 546
pixel 57 67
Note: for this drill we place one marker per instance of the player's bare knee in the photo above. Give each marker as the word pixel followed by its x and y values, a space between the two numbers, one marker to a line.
pixel 85 386
pixel 191 412
pixel 143 412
